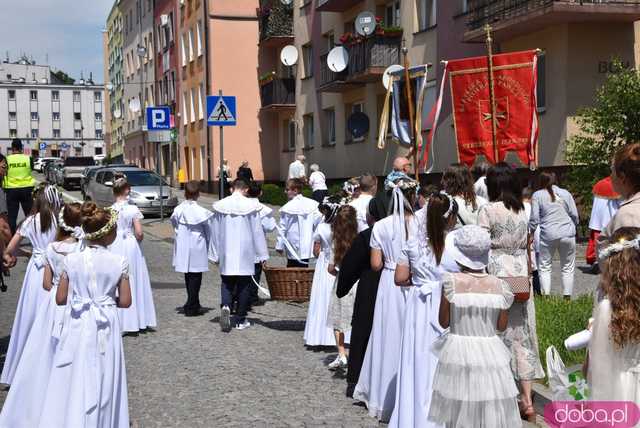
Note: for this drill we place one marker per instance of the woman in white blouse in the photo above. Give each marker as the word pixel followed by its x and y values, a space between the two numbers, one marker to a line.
pixel 458 182
pixel 318 184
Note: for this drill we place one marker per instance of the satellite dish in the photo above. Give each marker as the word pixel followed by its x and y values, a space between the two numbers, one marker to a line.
pixel 338 59
pixel 286 2
pixel 134 105
pixel 386 77
pixel 117 114
pixel 365 24
pixel 358 124
pixel 289 55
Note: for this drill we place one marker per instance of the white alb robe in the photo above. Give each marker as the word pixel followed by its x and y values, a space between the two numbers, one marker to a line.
pixel 298 220
pixel 192 227
pixel 237 237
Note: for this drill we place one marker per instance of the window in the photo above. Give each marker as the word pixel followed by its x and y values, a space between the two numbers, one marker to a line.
pixel 192 105
pixel 55 96
pixel 357 107
pixel 190 44
pixel 13 133
pixel 77 133
pixel 541 88
pixel 98 117
pixel 55 115
pixel 33 95
pixel 392 14
pixel 12 115
pixel 98 134
pixel 12 94
pixel 330 123
pixel 202 161
pixel 307 58
pixel 308 130
pixel 97 96
pixel 184 108
pixel 199 39
pixel 98 150
pixel 184 52
pixel 34 133
pixel 34 115
pixel 76 96
pixel 56 133
pixel 291 134
pixel 330 41
pixel 464 6
pixel 77 116
pixel 427 13
pixel 200 102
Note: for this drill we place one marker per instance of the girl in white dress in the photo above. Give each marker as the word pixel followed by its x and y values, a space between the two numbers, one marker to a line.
pixel 377 383
pixel 424 259
pixel 88 383
pixel 316 330
pixel 142 314
pixel 614 349
pixel 24 401
pixel 40 229
pixel 344 231
pixel 473 385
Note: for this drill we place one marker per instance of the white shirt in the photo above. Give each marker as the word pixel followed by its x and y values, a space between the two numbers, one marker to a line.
pixel 237 237
pixel 317 181
pixel 466 213
pixel 361 204
pixel 296 170
pixel 298 220
pixel 192 226
pixel 480 187
pixel 602 212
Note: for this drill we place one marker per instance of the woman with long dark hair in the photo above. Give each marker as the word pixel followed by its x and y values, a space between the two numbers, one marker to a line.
pixel 505 219
pixel 457 182
pixel 554 210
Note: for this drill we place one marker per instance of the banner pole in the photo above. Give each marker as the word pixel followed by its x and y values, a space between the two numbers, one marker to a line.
pixel 492 95
pixel 412 123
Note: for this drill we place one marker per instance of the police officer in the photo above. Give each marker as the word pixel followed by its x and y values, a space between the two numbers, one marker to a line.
pixel 18 183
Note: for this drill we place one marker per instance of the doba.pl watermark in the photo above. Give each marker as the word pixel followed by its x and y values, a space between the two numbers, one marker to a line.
pixel 592 414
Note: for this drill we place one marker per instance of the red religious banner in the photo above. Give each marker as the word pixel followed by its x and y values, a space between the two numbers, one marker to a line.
pixel 514 77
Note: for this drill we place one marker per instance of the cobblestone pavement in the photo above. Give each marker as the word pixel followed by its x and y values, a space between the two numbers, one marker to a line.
pixel 188 373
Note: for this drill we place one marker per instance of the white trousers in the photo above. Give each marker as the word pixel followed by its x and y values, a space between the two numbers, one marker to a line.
pixel 567 249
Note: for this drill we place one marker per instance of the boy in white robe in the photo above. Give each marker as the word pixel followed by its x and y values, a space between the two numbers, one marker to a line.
pixel 191 224
pixel 268 225
pixel 298 220
pixel 237 241
pixel 368 186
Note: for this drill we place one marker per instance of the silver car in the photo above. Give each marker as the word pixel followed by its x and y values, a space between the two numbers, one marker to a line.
pixel 145 188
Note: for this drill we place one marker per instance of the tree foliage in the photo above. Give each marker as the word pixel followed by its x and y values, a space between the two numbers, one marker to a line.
pixel 64 77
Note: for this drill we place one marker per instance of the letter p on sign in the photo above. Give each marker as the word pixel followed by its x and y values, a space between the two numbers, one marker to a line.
pixel 158 118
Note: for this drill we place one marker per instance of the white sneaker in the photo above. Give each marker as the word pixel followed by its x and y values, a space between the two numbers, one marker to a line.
pixel 246 324
pixel 338 363
pixel 225 319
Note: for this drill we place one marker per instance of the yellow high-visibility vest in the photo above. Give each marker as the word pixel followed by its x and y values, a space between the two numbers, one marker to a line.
pixel 19 172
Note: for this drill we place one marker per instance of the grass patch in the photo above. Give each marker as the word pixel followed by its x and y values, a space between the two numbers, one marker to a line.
pixel 558 319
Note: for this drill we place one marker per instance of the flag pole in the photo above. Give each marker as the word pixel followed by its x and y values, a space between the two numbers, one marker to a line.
pixel 412 122
pixel 492 94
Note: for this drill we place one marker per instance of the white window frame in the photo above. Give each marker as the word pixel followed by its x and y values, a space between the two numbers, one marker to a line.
pixel 76 96
pixel 184 50
pixel 191 57
pixel 199 38
pixel 185 117
pixel 330 120
pixel 200 102
pixel 393 9
pixel 192 106
pixel 56 133
pixel 307 59
pixel 428 14
pixel 55 95
pixel 202 159
pixel 31 96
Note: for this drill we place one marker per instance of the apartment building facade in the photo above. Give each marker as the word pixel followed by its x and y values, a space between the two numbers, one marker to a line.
pixel 114 82
pixel 65 119
pixel 139 79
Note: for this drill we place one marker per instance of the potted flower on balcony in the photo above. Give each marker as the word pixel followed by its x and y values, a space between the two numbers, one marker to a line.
pixel 266 78
pixel 387 31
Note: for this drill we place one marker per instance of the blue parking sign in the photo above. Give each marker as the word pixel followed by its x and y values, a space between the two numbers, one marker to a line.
pixel 158 118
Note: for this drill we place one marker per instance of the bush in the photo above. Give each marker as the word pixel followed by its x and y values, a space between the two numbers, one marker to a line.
pixel 558 319
pixel 273 194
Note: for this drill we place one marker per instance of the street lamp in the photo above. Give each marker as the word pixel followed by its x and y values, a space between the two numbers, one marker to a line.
pixel 142 53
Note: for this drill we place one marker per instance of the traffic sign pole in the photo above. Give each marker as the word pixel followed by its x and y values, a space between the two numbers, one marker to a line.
pixel 221 174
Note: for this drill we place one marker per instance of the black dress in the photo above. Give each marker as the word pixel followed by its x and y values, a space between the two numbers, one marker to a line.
pixel 356 265
pixel 245 174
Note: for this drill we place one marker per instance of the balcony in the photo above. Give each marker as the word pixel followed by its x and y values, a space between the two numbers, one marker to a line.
pixel 276 24
pixel 279 94
pixel 368 59
pixel 510 18
pixel 331 81
pixel 336 5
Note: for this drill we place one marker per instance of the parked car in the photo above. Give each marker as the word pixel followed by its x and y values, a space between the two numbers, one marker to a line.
pixel 72 170
pixel 39 164
pixel 87 174
pixel 145 189
pixel 51 171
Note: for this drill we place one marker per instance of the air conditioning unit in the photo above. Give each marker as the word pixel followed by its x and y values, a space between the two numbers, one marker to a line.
pixel 164 20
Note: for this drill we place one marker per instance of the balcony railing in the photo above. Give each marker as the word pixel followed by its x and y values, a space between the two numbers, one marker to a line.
pixel 336 5
pixel 369 58
pixel 328 77
pixel 278 93
pixel 496 12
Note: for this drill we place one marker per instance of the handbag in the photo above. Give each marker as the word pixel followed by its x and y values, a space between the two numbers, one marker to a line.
pixel 565 386
pixel 521 285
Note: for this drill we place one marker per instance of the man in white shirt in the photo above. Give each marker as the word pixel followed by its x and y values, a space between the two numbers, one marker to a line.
pixel 296 168
pixel 238 240
pixel 298 220
pixel 368 186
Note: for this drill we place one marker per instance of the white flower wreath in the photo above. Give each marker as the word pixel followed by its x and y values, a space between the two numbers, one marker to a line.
pixel 105 229
pixel 619 246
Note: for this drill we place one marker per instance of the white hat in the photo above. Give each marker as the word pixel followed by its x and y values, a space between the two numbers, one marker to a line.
pixel 471 246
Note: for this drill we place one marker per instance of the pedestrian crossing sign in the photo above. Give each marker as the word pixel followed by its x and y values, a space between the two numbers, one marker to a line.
pixel 221 111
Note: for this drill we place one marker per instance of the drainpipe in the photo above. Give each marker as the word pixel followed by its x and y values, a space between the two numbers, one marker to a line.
pixel 205 23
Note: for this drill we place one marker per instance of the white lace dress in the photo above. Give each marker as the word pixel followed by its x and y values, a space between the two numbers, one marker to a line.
pixel 473 385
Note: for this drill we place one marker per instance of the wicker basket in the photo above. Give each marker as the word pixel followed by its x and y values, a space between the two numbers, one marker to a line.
pixel 290 284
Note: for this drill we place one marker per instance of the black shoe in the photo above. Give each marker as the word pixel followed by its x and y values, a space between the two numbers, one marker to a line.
pixel 350 388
